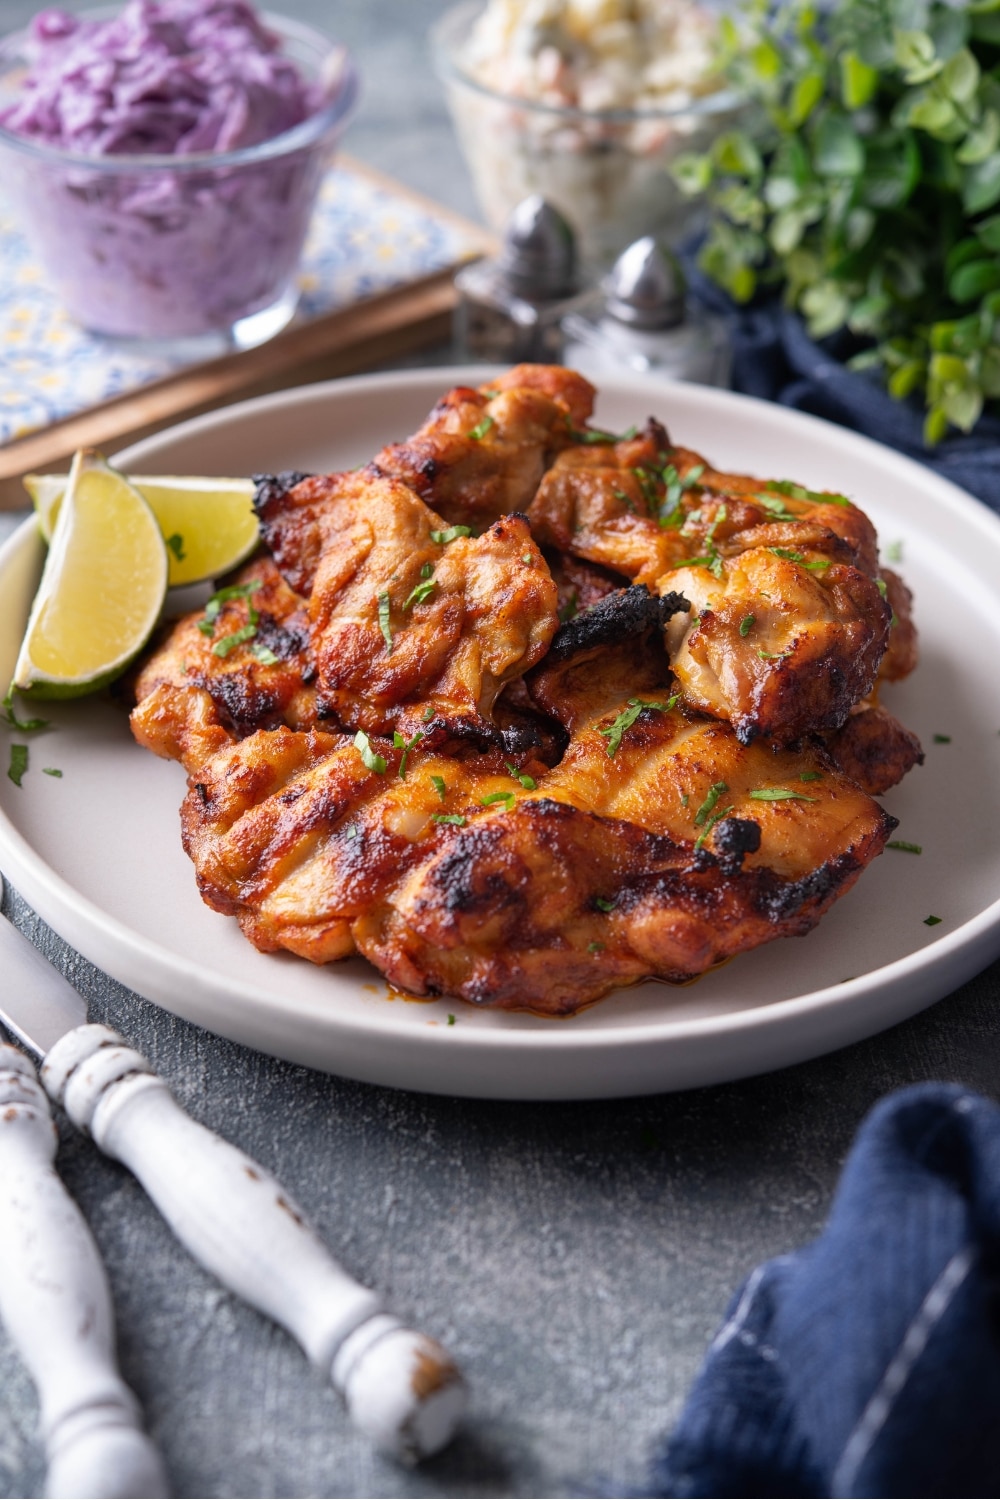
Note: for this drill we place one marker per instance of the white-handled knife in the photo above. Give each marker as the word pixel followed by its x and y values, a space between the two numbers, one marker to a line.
pixel 399 1386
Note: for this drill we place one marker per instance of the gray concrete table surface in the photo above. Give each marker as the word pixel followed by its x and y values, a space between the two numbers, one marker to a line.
pixel 575 1257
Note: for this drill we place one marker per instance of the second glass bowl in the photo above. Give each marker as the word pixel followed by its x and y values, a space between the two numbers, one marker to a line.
pixel 607 171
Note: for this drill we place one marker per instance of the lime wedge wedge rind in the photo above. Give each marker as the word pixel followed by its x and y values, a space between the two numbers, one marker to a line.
pixel 208 523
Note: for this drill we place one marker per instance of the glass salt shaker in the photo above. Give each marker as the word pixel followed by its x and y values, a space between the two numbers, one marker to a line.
pixel 510 308
pixel 643 321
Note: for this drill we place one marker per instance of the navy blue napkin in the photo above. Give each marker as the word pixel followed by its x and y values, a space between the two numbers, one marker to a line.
pixel 774 358
pixel 867 1363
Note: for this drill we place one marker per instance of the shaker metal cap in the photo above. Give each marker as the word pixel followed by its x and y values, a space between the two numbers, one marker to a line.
pixel 538 258
pixel 645 288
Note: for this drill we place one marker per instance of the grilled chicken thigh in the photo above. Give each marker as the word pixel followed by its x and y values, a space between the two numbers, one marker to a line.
pixel 482 453
pixel 788 622
pixel 394 748
pixel 403 608
pixel 657 846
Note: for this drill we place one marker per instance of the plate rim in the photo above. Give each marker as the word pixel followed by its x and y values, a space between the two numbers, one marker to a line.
pixel 972 936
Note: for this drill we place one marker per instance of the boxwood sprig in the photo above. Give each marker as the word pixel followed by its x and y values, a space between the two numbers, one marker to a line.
pixel 873 119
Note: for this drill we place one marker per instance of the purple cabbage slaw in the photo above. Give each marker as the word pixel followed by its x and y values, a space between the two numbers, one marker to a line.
pixel 165 162
pixel 165 77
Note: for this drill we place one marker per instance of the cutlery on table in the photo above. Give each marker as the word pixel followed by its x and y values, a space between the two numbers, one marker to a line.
pixel 55 1301
pixel 399 1386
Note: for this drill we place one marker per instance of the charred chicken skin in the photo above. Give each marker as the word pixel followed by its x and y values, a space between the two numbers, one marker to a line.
pixel 395 748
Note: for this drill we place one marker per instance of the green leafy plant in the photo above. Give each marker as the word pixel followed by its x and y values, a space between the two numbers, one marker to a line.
pixel 865 185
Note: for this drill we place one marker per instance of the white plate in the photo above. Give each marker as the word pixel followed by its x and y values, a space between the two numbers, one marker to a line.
pixel 98 852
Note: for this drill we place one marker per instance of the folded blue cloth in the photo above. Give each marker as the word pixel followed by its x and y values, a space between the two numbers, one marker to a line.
pixel 867 1363
pixel 774 358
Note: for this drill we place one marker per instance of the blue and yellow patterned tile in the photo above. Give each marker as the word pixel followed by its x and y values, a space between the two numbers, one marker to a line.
pixel 364 239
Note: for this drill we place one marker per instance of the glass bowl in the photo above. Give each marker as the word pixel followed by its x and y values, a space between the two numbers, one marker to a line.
pixel 197 253
pixel 607 171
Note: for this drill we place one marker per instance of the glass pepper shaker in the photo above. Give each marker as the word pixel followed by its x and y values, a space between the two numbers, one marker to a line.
pixel 510 308
pixel 643 321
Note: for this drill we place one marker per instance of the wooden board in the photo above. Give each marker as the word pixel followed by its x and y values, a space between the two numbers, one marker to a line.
pixel 380 328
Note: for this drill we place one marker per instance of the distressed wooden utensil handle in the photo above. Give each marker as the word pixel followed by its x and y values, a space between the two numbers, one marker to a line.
pixel 238 1222
pixel 55 1301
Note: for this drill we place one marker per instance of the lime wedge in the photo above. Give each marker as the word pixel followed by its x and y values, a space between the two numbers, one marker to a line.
pixel 208 524
pixel 102 588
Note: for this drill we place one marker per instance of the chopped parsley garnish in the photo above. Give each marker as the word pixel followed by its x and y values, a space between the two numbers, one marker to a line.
pixel 406 746
pixel 455 818
pixel 626 719
pixel 452 534
pixel 714 793
pixel 685 798
pixel 788 553
pixel 428 713
pixel 894 552
pixel 882 586
pixel 527 558
pixel 625 499
pixel 647 484
pixel 263 653
pixel 230 642
pixel 570 609
pixel 451 1019
pixel 373 761
pixel 18 763
pixel 779 794
pixel 528 782
pixel 595 947
pixel 747 624
pixel 715 818
pixel 176 545
pixel 223 596
pixel 674 489
pixel 906 848
pixel 427 570
pixel 810 775
pixel 26 726
pixel 711 560
pixel 51 771
pixel 507 798
pixel 437 782
pixel 773 655
pixel 482 428
pixel 603 904
pixel 932 921
pixel 214 608
pixel 594 435
pixel 352 831
pixel 777 509
pixel 799 492
pixel 417 595
pixel 383 620
pixel 942 739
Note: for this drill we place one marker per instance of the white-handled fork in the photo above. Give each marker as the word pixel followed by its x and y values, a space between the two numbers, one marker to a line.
pixel 234 1217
